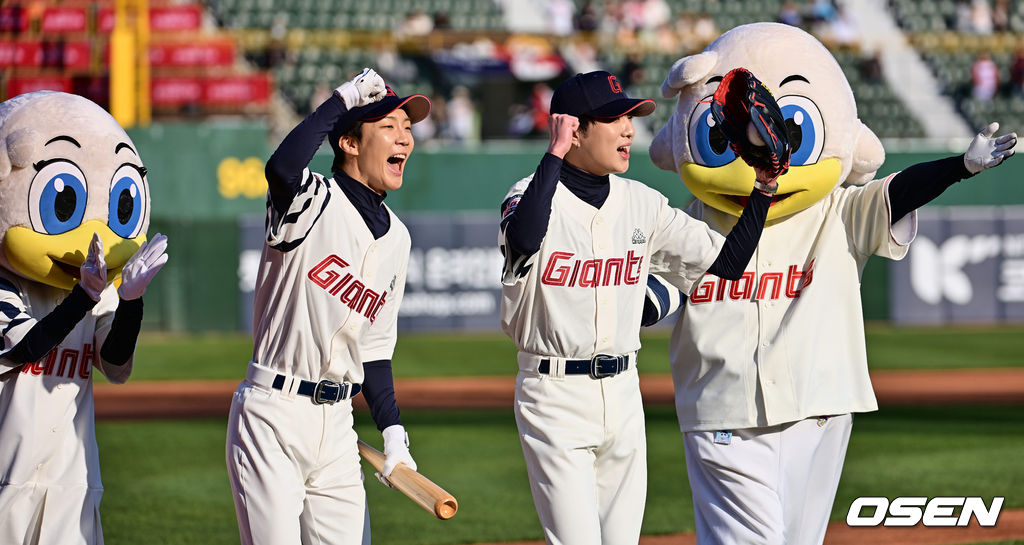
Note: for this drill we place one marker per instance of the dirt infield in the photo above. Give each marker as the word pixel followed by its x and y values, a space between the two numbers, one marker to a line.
pixel 1010 526
pixel 184 399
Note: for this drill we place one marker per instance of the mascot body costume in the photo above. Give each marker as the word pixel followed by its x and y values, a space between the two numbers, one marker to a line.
pixel 769 368
pixel 75 208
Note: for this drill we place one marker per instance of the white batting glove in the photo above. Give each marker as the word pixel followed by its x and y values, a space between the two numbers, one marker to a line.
pixel 93 271
pixel 142 267
pixel 987 152
pixel 363 89
pixel 396 451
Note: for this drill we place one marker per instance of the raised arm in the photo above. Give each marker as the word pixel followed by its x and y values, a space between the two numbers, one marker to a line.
pixel 284 168
pixel 919 184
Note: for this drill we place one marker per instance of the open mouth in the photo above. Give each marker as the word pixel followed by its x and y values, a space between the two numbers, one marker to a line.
pixel 742 199
pixel 396 163
pixel 623 151
pixel 73 271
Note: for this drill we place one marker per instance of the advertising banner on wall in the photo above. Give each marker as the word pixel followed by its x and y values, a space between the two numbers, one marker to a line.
pixel 965 266
pixel 454 277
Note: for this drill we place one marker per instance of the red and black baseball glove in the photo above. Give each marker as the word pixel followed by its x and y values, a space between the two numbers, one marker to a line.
pixel 741 99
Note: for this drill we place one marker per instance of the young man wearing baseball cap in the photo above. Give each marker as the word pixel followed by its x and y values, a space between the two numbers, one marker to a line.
pixel 578 243
pixel 331 278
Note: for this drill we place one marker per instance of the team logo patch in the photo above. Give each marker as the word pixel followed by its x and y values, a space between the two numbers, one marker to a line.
pixel 638 237
pixel 510 206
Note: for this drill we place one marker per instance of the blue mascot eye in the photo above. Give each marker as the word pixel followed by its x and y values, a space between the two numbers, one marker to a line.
pixel 805 128
pixel 127 202
pixel 710 147
pixel 57 198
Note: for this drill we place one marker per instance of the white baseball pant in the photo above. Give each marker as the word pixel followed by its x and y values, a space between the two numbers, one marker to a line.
pixel 586 455
pixel 767 486
pixel 294 470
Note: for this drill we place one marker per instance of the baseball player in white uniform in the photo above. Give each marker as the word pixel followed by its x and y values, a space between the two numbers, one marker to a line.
pixel 767 417
pixel 325 317
pixel 65 158
pixel 578 243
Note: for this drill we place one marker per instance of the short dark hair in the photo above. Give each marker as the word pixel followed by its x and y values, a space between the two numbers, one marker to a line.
pixel 354 130
pixel 585 122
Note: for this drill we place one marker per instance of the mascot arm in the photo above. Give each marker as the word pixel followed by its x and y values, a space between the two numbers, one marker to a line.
pixel 919 184
pixel 742 239
pixel 119 345
pixel 51 329
pixel 285 167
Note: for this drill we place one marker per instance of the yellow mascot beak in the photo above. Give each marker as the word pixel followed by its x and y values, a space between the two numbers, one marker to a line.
pixel 727 187
pixel 55 259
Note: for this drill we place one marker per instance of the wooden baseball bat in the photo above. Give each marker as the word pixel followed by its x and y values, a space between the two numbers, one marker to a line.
pixel 420 489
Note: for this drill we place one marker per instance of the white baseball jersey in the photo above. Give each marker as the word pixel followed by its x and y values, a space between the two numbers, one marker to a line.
pixel 327 298
pixel 583 293
pixel 328 293
pixel 786 341
pixel 48 456
pixel 580 295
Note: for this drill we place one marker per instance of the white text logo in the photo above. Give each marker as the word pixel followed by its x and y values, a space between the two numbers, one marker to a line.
pixel 911 510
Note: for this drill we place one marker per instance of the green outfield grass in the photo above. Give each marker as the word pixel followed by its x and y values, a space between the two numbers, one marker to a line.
pixel 166 483
pixel 224 356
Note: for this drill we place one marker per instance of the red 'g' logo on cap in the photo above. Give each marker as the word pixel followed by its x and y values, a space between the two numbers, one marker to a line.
pixel 391 92
pixel 614 82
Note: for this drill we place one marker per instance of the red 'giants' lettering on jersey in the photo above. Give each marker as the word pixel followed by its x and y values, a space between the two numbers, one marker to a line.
pixel 769 286
pixel 350 291
pixel 563 270
pixel 69 362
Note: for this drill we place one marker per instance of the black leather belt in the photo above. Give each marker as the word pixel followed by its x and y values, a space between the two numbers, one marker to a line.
pixel 325 391
pixel 600 366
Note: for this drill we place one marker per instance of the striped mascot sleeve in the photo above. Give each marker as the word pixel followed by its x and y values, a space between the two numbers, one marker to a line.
pixel 662 300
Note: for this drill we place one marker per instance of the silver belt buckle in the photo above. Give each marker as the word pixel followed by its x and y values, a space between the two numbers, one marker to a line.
pixel 329 392
pixel 595 364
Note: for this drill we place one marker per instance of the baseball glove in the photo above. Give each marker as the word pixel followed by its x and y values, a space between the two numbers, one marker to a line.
pixel 742 100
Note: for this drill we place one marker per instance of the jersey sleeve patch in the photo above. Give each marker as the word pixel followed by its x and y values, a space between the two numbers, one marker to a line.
pixel 510 206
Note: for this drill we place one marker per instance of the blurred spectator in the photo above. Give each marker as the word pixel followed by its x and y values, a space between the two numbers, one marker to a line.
pixel 984 77
pixel 1001 15
pixel 321 92
pixel 633 70
pixel 981 17
pixel 277 50
pixel 823 11
pixel 416 23
pixel 580 55
pixel 871 68
pixel 442 21
pixel 540 104
pixel 587 18
pixel 520 120
pixel 789 14
pixel 704 29
pixel 436 123
pixel 1017 74
pixel 560 15
pixel 843 29
pixel 462 116
pixel 392 66
pixel 962 16
pixel 656 13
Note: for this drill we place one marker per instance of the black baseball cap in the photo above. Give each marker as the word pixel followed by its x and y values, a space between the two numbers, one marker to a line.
pixel 597 94
pixel 417 106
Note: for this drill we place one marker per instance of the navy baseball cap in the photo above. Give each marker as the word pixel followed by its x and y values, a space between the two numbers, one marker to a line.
pixel 417 106
pixel 597 94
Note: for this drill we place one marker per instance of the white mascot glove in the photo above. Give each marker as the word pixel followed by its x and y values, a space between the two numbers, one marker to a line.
pixel 986 152
pixel 93 271
pixel 366 88
pixel 396 451
pixel 142 267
